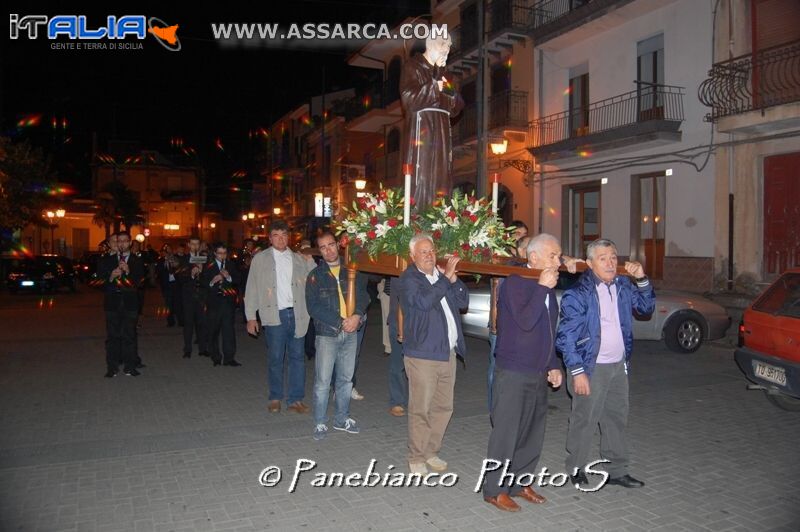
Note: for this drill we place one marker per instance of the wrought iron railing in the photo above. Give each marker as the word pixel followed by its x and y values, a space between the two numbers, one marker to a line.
pixel 505 15
pixel 755 81
pixel 645 104
pixel 547 11
pixel 508 108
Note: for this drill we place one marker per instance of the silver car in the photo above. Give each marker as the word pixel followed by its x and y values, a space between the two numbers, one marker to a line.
pixel 683 320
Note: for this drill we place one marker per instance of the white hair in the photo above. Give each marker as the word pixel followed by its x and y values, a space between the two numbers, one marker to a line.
pixel 438 40
pixel 419 237
pixel 537 242
pixel 599 243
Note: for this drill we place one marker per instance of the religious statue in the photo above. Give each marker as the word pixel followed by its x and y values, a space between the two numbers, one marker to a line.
pixel 429 101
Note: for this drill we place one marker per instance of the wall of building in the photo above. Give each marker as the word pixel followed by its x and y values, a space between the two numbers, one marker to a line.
pixel 611 58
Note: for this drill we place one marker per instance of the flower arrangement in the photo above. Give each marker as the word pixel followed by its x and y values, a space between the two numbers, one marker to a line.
pixel 465 226
pixel 376 223
pixel 460 225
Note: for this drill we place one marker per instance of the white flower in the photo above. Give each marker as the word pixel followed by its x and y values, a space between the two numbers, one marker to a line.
pixel 437 226
pixel 381 207
pixel 479 238
pixel 380 230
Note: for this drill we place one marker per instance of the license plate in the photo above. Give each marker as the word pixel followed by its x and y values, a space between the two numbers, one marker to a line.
pixel 27 283
pixel 770 373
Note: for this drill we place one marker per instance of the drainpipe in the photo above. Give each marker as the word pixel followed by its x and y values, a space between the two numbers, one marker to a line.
pixel 540 83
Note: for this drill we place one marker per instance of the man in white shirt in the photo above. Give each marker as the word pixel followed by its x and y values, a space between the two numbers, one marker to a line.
pixel 431 297
pixel 275 289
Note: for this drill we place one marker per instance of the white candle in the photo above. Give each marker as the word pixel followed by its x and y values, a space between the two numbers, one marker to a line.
pixel 407 195
pixel 495 191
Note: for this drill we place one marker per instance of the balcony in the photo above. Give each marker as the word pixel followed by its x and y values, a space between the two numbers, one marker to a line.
pixel 552 18
pixel 646 117
pixel 754 82
pixel 507 22
pixel 507 110
pixel 373 109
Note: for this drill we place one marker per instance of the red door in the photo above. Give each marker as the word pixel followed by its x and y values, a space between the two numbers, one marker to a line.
pixel 781 212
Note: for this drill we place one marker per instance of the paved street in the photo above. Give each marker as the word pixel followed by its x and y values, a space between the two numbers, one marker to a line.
pixel 182 446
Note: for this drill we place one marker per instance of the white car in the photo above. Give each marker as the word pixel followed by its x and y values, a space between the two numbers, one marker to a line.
pixel 683 320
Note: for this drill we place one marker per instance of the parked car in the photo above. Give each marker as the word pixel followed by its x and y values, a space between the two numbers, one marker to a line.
pixel 769 342
pixel 683 320
pixel 43 273
pixel 86 266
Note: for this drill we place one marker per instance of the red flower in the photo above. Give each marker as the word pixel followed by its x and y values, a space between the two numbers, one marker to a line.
pixel 476 251
pixel 465 246
pixel 465 212
pixel 372 235
pixel 473 218
pixel 345 240
pixel 487 252
pixel 358 241
pixel 411 201
pixel 471 199
pixel 392 222
pixel 373 220
pixel 452 215
pixel 437 234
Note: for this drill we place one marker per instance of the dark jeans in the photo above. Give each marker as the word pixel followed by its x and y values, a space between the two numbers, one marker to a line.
pixel 519 417
pixel 490 380
pixel 359 342
pixel 281 343
pixel 121 339
pixel 398 382
pixel 220 321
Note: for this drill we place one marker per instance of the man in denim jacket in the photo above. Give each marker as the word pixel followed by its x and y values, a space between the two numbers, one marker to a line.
pixel 431 298
pixel 326 292
pixel 595 338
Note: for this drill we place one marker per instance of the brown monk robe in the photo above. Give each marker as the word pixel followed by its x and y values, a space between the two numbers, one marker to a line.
pixel 427 146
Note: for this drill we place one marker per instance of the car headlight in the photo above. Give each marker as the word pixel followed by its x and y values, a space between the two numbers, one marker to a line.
pixel 48 275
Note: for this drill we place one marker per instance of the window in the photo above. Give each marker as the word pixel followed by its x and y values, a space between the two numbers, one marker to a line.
pixel 579 102
pixel 584 217
pixel 649 76
pixel 393 141
pixel 648 224
pixel 782 298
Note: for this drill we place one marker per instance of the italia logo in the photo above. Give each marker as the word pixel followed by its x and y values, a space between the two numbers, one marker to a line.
pixel 76 27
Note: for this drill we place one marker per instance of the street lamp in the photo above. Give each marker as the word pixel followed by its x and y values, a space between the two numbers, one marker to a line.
pixel 51 216
pixel 251 215
pixel 361 184
pixel 277 211
pixel 498 146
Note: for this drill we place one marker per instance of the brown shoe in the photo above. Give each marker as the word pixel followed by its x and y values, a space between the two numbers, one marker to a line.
pixel 504 502
pixel 299 408
pixel 397 411
pixel 274 406
pixel 531 496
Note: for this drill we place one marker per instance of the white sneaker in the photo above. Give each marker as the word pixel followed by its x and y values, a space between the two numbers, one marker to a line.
pixel 420 468
pixel 436 463
pixel 355 396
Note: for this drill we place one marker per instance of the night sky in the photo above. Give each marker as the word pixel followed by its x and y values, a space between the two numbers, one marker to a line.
pixel 201 93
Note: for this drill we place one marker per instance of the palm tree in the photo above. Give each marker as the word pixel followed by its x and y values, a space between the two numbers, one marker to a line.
pixel 117 205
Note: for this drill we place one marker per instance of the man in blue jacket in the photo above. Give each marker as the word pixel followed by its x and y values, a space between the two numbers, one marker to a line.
pixel 336 334
pixel 595 338
pixel 432 336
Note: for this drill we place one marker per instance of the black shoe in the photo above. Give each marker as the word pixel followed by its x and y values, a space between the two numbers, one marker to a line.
pixel 232 363
pixel 626 481
pixel 204 354
pixel 216 363
pixel 132 373
pixel 140 365
pixel 110 374
pixel 579 479
pixel 187 354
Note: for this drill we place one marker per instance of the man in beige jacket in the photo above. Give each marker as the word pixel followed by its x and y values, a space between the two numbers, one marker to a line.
pixel 276 289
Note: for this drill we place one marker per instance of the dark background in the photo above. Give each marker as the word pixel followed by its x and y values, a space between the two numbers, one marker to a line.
pixel 204 92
